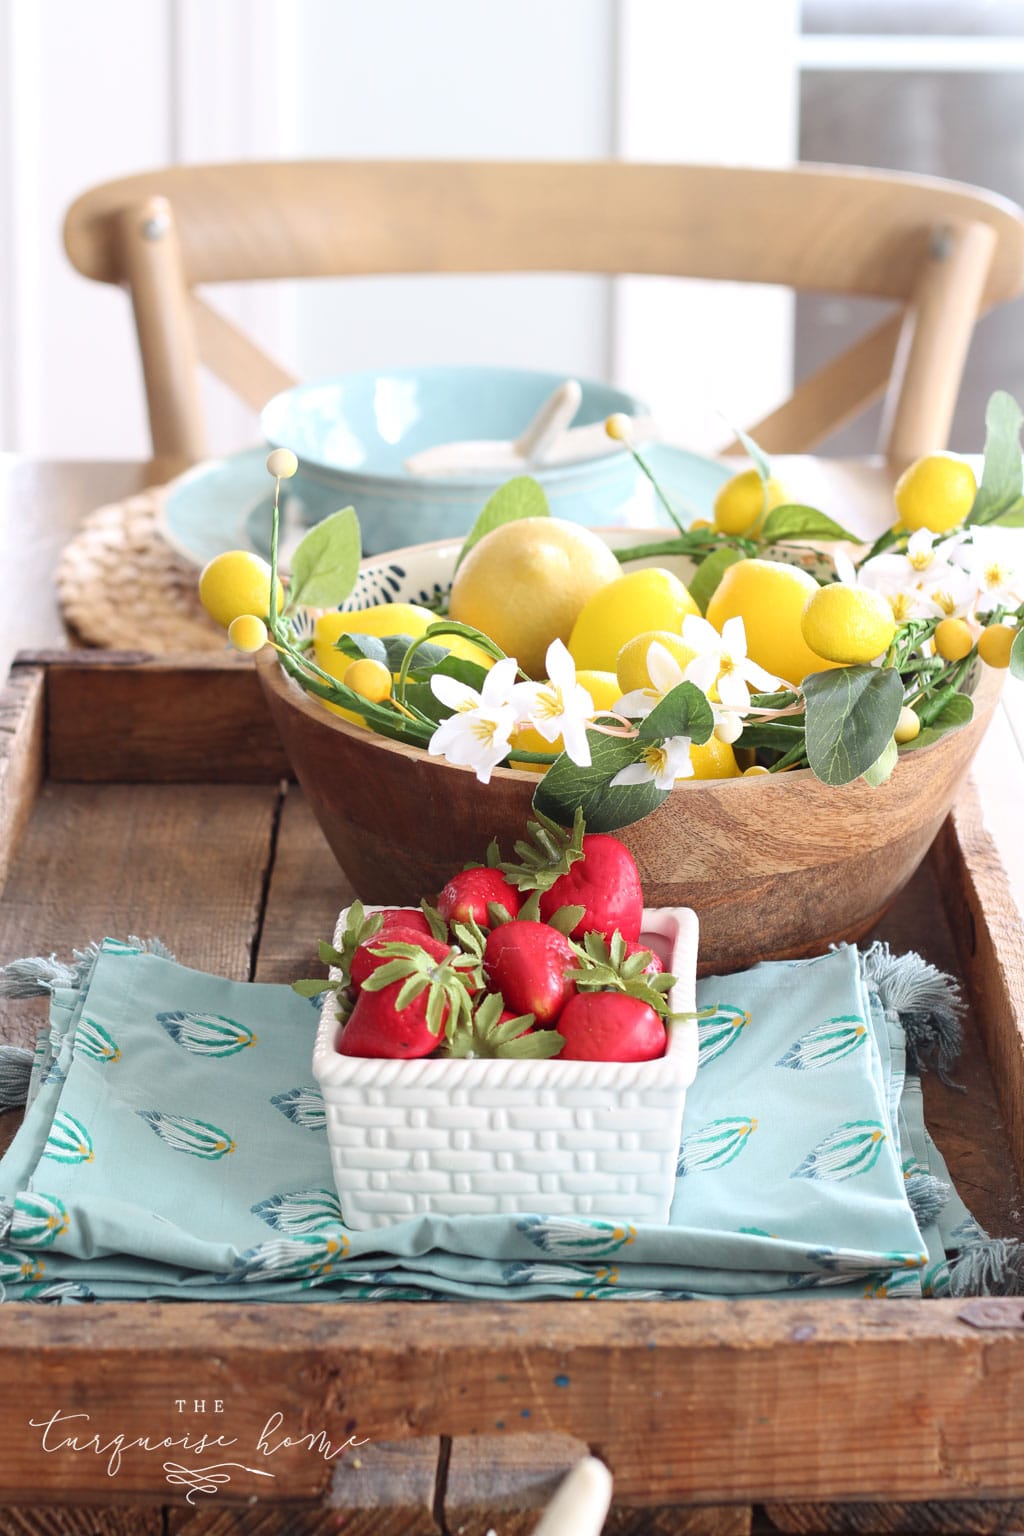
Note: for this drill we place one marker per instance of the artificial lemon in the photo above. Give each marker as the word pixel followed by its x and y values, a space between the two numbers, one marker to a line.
pixel 247 633
pixel 633 605
pixel 935 492
pixel 908 726
pixel 953 639
pixel 714 759
pixel 525 583
pixel 850 625
pixel 769 597
pixel 995 644
pixel 631 662
pixel 234 583
pixel 603 688
pixel 743 503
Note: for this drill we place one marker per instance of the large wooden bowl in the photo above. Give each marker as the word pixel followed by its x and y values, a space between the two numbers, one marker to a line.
pixel 774 866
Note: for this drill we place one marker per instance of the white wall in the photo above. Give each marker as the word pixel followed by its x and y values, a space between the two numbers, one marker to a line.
pixel 91 91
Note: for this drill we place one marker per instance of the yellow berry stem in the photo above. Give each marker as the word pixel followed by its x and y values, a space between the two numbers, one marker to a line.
pixel 638 460
pixel 274 621
pixel 435 632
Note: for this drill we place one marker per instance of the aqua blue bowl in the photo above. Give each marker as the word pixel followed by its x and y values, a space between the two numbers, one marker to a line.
pixel 352 435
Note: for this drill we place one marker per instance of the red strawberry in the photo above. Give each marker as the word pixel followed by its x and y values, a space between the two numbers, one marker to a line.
pixel 527 963
pixel 609 1026
pixel 365 961
pixel 654 966
pixel 467 894
pixel 376 1027
pixel 606 882
pixel 407 918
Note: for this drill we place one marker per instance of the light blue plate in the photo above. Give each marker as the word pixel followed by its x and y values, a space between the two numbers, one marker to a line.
pixel 222 504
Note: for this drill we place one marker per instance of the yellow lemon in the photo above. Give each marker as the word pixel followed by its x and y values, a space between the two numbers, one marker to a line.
pixel 635 604
pixel 935 492
pixel 769 597
pixel 995 644
pixel 713 760
pixel 234 583
pixel 525 583
pixel 743 503
pixel 631 662
pixel 849 625
pixel 603 688
pixel 953 639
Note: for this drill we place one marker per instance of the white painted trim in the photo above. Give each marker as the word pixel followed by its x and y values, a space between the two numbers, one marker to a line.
pixel 934 55
pixel 21 389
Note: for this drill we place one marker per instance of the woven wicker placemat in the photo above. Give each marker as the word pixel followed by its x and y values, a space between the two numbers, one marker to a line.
pixel 122 586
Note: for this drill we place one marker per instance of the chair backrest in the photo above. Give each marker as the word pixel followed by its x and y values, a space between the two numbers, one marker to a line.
pixel 946 251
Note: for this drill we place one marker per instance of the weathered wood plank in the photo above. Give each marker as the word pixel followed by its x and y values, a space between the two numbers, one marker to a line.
pixel 987 929
pixel 26 1520
pixel 791 1391
pixel 376 1490
pixel 130 718
pixel 966 1519
pixel 307 891
pixel 504 1482
pixel 185 864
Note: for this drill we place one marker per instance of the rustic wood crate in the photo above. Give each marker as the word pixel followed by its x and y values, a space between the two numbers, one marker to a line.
pixel 152 796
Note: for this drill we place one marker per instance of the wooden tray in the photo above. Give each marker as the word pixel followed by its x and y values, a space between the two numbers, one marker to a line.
pixel 151 797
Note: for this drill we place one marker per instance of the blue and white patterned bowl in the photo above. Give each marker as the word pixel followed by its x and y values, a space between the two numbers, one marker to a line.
pixel 353 434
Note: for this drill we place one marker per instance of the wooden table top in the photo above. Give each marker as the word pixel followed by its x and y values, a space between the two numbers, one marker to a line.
pixel 42 502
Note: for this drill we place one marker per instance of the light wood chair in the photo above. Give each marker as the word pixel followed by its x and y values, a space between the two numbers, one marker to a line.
pixel 945 251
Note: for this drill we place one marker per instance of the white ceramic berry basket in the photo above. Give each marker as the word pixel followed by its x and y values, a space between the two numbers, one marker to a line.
pixel 456 1137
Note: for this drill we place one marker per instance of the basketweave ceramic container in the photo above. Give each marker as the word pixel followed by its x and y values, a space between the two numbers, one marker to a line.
pixel 455 1137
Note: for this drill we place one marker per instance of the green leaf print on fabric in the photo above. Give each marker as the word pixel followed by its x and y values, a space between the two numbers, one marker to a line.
pixel 715 1144
pixel 17 1267
pixel 311 1258
pixel 92 1040
pixel 68 1141
pixel 850 1149
pixel 824 1044
pixel 716 1034
pixel 38 1220
pixel 305 1211
pixel 181 1134
pixel 571 1235
pixel 303 1106
pixel 207 1034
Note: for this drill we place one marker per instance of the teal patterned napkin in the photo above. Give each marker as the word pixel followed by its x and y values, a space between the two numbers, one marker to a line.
pixel 174 1146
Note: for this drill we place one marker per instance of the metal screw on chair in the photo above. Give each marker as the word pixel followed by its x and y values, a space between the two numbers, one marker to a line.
pixel 155 227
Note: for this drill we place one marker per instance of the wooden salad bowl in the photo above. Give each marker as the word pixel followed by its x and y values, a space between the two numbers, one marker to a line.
pixel 775 866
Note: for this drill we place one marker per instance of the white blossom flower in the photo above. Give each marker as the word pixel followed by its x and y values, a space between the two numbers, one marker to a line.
pixel 994 561
pixel 949 595
pixel 722 662
pixel 559 707
pixel 907 580
pixel 478 734
pixel 663 762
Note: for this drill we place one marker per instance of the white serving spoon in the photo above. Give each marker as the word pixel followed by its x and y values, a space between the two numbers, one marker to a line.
pixel 581 1502
pixel 530 447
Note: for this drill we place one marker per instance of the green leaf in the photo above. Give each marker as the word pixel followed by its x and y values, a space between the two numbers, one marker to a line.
pixel 776 734
pixel 566 787
pixel 710 572
pixel 435 922
pixel 313 988
pixel 390 651
pixel 566 918
pixel 538 1046
pixel 881 769
pixel 1017 656
pixel 757 455
pixel 851 714
pixel 326 563
pixel 522 497
pixel 958 711
pixel 795 521
pixel 682 712
pixel 1013 517
pixel 1002 477
pixel 421 696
